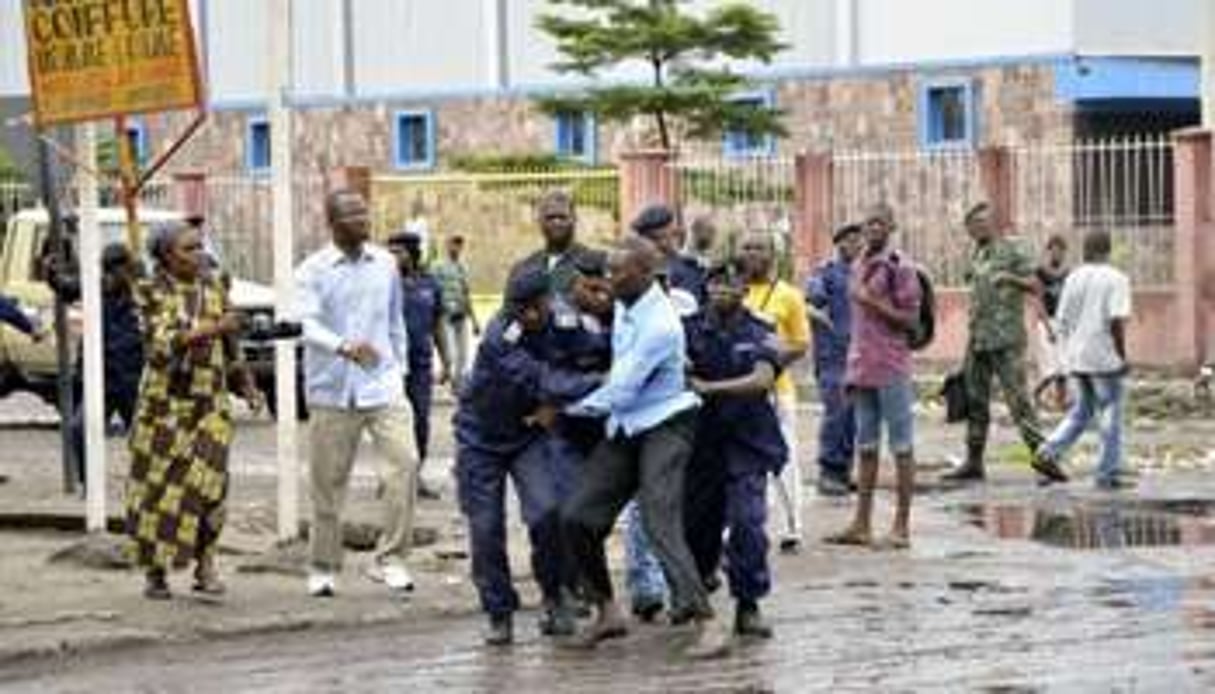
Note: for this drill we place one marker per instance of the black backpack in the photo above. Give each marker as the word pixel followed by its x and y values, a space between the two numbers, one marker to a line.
pixel 919 337
pixel 926 324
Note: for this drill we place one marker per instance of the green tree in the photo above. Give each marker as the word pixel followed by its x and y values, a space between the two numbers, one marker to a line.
pixel 691 91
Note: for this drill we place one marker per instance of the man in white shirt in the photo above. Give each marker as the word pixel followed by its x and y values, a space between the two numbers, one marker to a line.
pixel 1092 315
pixel 350 304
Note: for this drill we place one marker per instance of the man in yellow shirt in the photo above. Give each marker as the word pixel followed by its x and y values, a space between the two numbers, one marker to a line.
pixel 783 306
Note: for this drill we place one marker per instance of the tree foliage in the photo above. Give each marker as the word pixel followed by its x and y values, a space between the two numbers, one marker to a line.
pixel 691 90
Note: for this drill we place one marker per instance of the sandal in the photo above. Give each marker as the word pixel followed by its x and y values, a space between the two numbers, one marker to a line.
pixel 892 543
pixel 848 538
pixel 207 582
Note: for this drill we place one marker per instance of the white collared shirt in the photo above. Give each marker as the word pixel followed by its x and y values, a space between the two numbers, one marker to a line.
pixel 341 300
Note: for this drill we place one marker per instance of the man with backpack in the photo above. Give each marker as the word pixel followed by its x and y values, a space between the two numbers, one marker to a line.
pixel 886 323
pixel 999 277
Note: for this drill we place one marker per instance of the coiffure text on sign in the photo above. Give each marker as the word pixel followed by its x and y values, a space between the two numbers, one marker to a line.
pixel 93 59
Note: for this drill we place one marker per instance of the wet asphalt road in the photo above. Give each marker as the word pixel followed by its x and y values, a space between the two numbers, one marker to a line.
pixel 961 612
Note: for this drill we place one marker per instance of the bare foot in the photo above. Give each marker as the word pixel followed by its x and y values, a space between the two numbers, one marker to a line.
pixel 609 624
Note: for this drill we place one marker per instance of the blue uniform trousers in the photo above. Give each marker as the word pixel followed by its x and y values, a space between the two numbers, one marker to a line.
pixel 419 389
pixel 837 431
pixel 726 498
pixel 481 478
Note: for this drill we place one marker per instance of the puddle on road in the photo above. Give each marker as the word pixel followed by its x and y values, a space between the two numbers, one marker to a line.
pixel 1099 524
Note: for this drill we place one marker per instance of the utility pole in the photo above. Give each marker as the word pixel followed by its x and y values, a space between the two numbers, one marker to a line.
pixel 283 204
pixel 90 241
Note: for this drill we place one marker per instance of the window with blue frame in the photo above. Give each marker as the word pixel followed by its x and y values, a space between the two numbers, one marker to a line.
pixel 257 145
pixel 947 114
pixel 739 143
pixel 413 140
pixel 576 135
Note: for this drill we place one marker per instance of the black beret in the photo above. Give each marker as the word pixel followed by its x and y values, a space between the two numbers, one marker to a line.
pixel 526 286
pixel 845 230
pixel 652 219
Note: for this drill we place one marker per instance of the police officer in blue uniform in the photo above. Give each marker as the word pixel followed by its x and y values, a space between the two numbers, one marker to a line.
pixel 682 272
pixel 735 358
pixel 423 305
pixel 827 295
pixel 505 405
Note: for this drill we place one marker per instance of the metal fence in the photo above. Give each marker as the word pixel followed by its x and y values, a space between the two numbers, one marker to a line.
pixel 739 194
pixel 240 219
pixel 928 191
pixel 495 212
pixel 1124 187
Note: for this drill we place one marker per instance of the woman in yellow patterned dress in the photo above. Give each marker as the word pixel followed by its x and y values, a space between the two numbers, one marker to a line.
pixel 183 422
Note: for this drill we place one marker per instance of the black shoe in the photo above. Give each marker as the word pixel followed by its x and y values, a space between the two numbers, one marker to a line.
pixel 647 611
pixel 156 586
pixel 557 620
pixel 749 623
pixel 500 632
pixel 970 471
pixel 833 485
pixel 712 582
pixel 1047 467
pixel 790 545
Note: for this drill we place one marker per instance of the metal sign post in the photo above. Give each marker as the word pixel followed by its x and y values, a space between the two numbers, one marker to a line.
pixel 89 240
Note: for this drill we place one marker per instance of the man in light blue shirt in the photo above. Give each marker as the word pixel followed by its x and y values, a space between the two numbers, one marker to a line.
pixel 651 416
pixel 349 301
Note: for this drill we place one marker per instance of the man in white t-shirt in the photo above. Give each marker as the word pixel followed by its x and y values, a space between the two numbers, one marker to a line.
pixel 1092 315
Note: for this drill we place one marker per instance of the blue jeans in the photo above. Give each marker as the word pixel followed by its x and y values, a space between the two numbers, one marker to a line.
pixel 890 404
pixel 643 574
pixel 837 431
pixel 1092 397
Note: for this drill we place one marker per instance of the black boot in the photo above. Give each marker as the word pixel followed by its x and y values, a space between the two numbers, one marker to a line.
pixel 972 470
pixel 748 622
pixel 557 620
pixel 156 585
pixel 501 632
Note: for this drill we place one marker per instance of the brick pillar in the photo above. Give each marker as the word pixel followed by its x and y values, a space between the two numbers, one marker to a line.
pixel 190 193
pixel 813 192
pixel 356 178
pixel 996 178
pixel 1193 266
pixel 646 177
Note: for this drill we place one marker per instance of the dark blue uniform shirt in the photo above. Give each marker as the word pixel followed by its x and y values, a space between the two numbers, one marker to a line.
pixel 827 290
pixel 510 379
pixel 423 305
pixel 683 272
pixel 719 351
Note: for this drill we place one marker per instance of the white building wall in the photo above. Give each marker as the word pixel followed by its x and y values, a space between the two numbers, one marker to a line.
pixel 236 49
pixel 320 70
pixel 898 31
pixel 419 45
pixel 1138 27
pixel 14 80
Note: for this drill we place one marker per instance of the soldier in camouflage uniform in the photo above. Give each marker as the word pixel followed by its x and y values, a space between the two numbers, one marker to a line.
pixel 999 276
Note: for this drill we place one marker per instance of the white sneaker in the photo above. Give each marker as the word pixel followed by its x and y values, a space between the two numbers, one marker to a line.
pixel 322 585
pixel 393 575
pixel 397 578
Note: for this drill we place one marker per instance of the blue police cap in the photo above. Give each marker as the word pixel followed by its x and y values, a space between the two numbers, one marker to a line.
pixel 652 219
pixel 526 286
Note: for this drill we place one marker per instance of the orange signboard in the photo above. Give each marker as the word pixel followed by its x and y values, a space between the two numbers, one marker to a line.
pixel 93 59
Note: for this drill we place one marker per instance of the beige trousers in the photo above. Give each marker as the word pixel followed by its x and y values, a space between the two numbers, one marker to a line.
pixel 334 436
pixel 789 483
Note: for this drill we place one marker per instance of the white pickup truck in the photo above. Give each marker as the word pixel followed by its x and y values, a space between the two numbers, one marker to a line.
pixel 28 364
